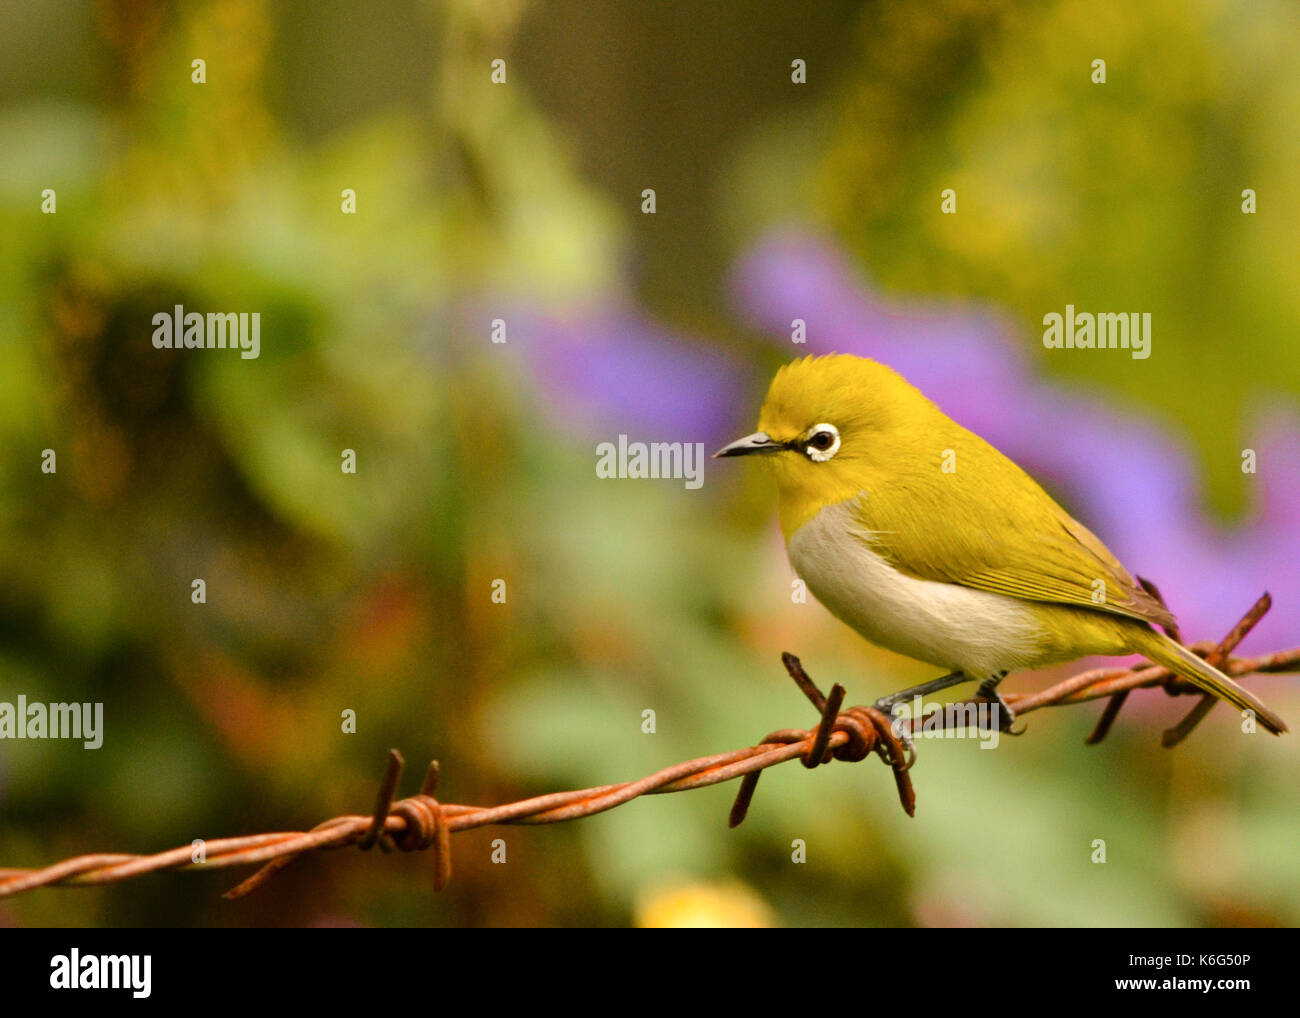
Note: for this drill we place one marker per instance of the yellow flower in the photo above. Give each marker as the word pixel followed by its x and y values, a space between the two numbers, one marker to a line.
pixel 700 904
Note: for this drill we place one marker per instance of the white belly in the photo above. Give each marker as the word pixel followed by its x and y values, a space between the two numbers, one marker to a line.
pixel 954 627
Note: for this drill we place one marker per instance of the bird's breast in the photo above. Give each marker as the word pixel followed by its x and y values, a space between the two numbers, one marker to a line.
pixel 945 624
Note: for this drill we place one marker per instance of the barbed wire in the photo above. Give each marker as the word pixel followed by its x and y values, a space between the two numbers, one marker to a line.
pixel 422 823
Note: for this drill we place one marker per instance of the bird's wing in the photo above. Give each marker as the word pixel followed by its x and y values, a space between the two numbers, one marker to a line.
pixel 1005 535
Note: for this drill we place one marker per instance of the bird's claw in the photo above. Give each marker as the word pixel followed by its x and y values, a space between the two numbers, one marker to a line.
pixel 1006 717
pixel 886 707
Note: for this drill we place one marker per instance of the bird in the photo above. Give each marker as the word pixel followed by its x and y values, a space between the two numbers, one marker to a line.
pixel 929 542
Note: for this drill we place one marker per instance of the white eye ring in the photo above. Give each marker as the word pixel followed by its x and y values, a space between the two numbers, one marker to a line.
pixel 822 455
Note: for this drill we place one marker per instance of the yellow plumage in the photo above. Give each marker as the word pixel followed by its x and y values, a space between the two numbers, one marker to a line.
pixel 904 520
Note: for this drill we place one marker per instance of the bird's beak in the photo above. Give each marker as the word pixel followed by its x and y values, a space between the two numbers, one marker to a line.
pixel 759 441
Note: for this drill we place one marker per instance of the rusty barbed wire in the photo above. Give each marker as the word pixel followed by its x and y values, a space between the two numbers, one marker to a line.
pixel 422 823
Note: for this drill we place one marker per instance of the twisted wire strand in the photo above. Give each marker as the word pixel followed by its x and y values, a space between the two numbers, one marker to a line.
pixel 423 823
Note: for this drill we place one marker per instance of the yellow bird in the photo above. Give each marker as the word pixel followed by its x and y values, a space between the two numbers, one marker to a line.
pixel 929 542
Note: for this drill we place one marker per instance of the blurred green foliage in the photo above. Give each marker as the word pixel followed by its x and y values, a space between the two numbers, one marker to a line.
pixel 1122 195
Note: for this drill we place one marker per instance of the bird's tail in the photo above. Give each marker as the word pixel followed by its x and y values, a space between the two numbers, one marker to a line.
pixel 1178 659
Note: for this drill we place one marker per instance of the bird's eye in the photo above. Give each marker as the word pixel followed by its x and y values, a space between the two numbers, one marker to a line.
pixel 823 442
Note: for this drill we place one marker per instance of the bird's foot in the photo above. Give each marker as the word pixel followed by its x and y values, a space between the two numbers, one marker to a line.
pixel 898 725
pixel 1002 712
pixel 886 704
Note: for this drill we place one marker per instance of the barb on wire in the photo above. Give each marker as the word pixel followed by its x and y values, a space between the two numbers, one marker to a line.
pixel 421 822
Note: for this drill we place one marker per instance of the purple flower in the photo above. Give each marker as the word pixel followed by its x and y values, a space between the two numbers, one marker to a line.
pixel 603 369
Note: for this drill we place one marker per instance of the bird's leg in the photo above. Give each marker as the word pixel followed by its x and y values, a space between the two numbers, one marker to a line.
pixel 988 689
pixel 886 704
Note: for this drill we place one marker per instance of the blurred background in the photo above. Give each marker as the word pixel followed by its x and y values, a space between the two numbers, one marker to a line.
pixel 521 201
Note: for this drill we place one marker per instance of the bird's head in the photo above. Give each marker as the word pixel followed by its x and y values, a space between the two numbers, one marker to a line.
pixel 832 427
